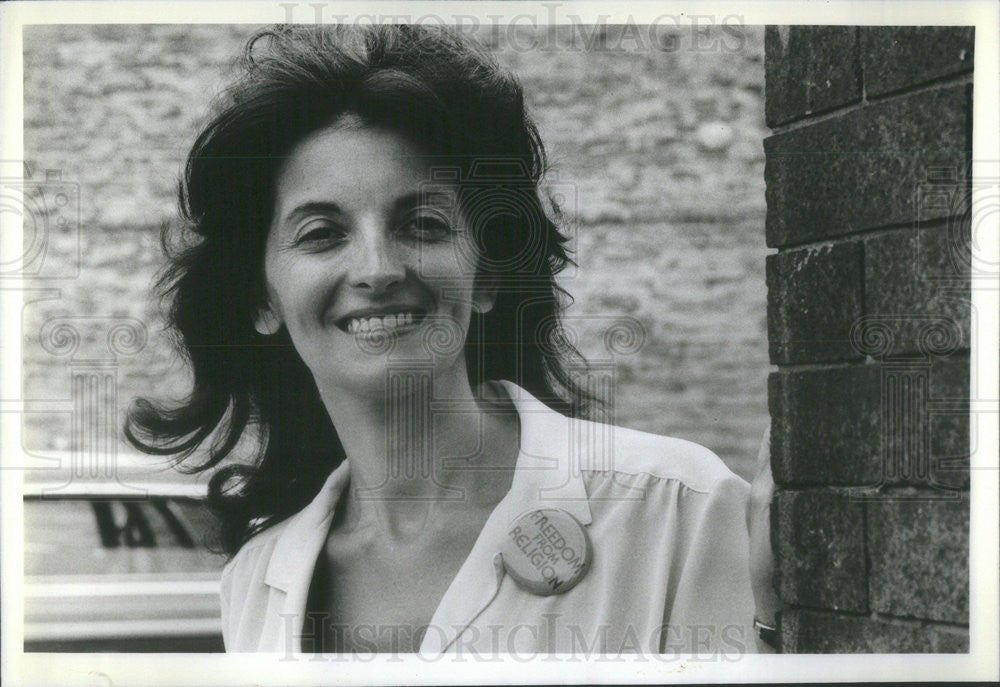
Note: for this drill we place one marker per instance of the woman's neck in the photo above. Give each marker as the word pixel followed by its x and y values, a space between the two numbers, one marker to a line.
pixel 425 445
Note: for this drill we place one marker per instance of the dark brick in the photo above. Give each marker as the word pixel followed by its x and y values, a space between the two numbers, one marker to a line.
pixel 949 430
pixel 925 422
pixel 809 69
pixel 811 632
pixel 895 57
pixel 919 548
pixel 917 290
pixel 826 426
pixel 901 422
pixel 862 170
pixel 814 297
pixel 820 550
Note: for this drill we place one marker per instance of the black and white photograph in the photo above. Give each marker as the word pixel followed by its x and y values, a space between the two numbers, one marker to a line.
pixel 456 342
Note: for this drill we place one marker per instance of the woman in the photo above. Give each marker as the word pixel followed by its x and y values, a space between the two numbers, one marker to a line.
pixel 365 292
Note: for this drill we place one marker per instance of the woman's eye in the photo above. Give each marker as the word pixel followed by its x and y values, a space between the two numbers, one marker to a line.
pixel 426 228
pixel 320 233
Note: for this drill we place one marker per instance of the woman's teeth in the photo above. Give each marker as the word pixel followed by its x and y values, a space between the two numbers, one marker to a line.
pixel 363 325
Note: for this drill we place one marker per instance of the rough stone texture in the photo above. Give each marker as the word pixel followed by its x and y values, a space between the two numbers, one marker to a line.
pixel 820 550
pixel 949 464
pixel 810 632
pixel 949 424
pixel 895 57
pixel 825 426
pixel 899 422
pixel 918 289
pixel 919 549
pixel 814 297
pixel 925 422
pixel 660 149
pixel 810 69
pixel 861 171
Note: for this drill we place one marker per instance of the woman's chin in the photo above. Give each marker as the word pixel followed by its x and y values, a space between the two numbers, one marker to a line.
pixel 371 373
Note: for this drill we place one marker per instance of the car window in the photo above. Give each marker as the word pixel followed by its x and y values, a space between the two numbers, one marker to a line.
pixel 152 535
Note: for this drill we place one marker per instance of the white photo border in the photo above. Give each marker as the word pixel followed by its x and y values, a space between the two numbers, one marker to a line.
pixel 157 669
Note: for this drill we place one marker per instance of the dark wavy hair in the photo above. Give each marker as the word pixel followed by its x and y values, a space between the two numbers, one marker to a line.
pixel 438 90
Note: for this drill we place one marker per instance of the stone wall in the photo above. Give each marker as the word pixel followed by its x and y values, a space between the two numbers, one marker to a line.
pixel 869 323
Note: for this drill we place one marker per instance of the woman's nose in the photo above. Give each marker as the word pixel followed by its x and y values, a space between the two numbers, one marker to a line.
pixel 376 264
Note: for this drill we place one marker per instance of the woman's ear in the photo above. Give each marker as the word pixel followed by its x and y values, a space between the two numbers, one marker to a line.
pixel 266 322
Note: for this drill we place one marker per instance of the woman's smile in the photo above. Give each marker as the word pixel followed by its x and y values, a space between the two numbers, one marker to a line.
pixel 398 322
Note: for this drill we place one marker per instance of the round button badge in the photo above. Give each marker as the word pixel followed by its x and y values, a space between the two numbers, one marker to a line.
pixel 546 551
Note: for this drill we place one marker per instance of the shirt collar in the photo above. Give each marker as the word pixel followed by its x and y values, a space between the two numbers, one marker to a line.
pixel 548 467
pixel 299 543
pixel 547 474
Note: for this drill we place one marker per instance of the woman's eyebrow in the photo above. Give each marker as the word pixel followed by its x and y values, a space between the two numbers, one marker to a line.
pixel 312 207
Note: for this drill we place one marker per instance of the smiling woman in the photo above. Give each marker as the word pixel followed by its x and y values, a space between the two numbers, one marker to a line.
pixel 365 283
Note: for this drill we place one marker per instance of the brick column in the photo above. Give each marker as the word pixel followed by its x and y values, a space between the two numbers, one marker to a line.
pixel 869 324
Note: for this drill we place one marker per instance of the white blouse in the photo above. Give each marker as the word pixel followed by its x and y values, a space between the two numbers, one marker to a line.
pixel 669 570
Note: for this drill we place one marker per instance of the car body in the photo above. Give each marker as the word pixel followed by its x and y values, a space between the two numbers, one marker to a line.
pixel 120 562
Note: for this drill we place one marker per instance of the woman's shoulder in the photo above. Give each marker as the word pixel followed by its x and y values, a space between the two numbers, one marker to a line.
pixel 598 447
pixel 634 452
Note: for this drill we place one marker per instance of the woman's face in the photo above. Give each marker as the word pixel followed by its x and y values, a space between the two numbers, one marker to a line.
pixel 364 249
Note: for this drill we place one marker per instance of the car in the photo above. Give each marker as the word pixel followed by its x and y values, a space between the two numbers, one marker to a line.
pixel 120 562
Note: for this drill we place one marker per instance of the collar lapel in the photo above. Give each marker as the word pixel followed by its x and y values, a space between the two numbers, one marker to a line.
pixel 293 559
pixel 552 447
